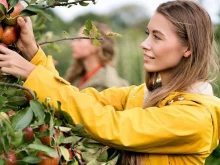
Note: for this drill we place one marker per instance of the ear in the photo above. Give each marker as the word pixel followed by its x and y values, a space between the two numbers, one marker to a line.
pixel 187 53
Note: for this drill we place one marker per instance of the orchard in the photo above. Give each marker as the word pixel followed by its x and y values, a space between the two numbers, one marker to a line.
pixel 32 132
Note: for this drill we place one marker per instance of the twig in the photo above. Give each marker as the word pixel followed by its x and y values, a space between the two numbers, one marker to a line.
pixel 18 86
pixel 67 3
pixel 66 38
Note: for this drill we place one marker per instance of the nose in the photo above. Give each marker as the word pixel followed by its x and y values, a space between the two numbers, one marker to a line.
pixel 146 44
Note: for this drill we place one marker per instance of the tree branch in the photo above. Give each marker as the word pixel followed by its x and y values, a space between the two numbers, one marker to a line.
pixel 68 3
pixel 66 38
pixel 19 86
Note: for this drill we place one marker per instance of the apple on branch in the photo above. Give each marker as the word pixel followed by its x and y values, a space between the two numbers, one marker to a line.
pixel 11 18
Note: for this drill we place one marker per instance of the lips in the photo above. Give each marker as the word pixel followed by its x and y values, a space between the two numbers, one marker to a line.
pixel 148 57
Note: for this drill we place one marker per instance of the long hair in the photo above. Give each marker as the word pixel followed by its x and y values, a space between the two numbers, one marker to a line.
pixel 194 29
pixel 106 54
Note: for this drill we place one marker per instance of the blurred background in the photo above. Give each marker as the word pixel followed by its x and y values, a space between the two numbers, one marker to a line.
pixel 127 17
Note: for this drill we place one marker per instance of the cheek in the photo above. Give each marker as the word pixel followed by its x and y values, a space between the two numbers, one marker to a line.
pixel 170 55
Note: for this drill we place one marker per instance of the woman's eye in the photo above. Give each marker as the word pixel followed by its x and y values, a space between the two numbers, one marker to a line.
pixel 147 33
pixel 156 37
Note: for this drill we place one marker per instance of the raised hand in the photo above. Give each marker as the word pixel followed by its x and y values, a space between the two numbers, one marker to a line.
pixel 26 42
pixel 13 63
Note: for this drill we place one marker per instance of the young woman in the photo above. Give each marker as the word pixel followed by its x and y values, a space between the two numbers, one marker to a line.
pixel 173 119
pixel 92 65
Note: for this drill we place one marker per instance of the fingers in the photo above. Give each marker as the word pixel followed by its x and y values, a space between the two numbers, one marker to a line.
pixel 25 27
pixel 4 50
pixel 28 22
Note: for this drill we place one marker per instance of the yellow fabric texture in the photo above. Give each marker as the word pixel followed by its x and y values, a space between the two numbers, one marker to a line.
pixel 178 132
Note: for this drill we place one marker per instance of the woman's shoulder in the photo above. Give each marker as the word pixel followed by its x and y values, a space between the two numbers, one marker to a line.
pixel 112 77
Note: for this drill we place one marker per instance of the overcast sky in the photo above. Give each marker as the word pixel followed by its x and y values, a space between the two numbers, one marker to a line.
pixel 106 6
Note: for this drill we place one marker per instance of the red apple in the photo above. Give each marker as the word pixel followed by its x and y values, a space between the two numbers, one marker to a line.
pixel 47 160
pixel 17 10
pixel 10 35
pixel 11 158
pixel 10 112
pixel 1 32
pixel 11 19
pixel 46 139
pixel 28 134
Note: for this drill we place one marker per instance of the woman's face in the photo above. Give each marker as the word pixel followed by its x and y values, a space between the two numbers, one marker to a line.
pixel 83 48
pixel 163 50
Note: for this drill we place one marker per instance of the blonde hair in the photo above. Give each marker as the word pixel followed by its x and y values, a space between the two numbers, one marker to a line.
pixel 194 28
pixel 106 54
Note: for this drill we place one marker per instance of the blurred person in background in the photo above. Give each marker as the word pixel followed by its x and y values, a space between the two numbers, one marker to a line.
pixel 93 65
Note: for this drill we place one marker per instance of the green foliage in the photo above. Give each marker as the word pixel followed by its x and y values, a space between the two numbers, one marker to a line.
pixel 63 137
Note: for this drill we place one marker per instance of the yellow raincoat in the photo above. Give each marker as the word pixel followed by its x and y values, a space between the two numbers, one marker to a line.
pixel 183 130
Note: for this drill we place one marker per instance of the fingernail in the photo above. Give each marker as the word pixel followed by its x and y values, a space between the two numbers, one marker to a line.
pixel 19 19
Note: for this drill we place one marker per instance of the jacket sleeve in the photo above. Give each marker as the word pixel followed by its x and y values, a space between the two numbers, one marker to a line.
pixel 178 128
pixel 46 61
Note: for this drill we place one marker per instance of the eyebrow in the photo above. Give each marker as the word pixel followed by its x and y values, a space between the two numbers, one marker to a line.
pixel 156 31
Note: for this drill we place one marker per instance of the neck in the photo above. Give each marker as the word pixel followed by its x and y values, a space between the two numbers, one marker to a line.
pixel 91 63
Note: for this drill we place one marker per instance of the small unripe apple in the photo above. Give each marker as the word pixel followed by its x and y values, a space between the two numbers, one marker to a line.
pixel 3 115
pixel 28 134
pixel 46 139
pixel 10 35
pixel 11 158
pixel 47 160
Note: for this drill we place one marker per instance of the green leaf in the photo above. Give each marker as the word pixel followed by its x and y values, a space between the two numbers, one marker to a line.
pixel 88 25
pixel 5 143
pixel 2 162
pixel 50 2
pixel 31 159
pixel 17 100
pixel 2 9
pixel 65 153
pixel 37 10
pixel 112 34
pixel 113 161
pixel 27 13
pixel 12 2
pixel 83 3
pixel 96 42
pixel 95 145
pixel 66 116
pixel 18 139
pixel 92 162
pixel 38 110
pixel 103 157
pixel 9 127
pixel 10 91
pixel 47 150
pixel 97 32
pixel 78 128
pixel 3 100
pixel 86 32
pixel 71 139
pixel 22 119
pixel 87 156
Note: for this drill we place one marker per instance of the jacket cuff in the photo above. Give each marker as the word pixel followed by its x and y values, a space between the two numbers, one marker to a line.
pixel 39 57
